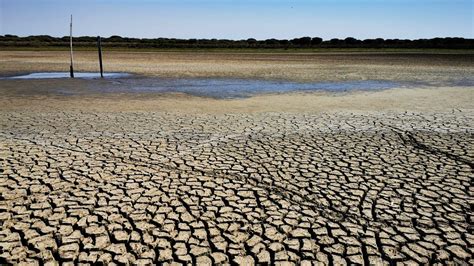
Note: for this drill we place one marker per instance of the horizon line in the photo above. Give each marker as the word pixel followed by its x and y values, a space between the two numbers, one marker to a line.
pixel 240 39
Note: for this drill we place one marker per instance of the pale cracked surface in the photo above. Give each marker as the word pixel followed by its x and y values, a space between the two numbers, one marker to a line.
pixel 125 187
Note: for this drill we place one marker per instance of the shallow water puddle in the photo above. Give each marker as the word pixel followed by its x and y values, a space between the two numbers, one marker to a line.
pixel 207 87
pixel 61 75
pixel 241 88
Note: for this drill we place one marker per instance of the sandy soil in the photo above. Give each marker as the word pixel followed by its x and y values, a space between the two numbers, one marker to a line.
pixel 400 100
pixel 381 178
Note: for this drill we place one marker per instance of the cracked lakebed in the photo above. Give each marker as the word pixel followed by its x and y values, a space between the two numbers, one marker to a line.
pixel 380 188
pixel 380 177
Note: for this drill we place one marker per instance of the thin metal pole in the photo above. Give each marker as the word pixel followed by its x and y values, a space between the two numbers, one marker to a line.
pixel 99 45
pixel 71 67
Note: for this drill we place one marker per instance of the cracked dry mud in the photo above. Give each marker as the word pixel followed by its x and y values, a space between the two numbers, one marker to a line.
pixel 367 188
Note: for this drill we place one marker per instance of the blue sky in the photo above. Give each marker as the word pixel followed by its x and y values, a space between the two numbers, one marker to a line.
pixel 241 19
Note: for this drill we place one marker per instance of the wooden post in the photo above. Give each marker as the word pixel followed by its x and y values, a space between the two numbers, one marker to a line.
pixel 71 67
pixel 99 46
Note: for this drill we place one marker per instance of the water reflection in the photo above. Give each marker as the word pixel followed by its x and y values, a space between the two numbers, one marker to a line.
pixel 60 75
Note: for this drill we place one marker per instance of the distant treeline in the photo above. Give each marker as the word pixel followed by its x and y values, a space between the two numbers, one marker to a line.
pixel 304 42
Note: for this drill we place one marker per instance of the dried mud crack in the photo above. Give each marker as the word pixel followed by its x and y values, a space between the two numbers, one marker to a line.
pixel 154 187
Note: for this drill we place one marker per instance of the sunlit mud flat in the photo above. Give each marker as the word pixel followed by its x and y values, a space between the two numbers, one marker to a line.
pixel 435 68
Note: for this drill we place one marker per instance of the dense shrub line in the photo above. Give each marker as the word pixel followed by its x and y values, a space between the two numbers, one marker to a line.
pixel 304 42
